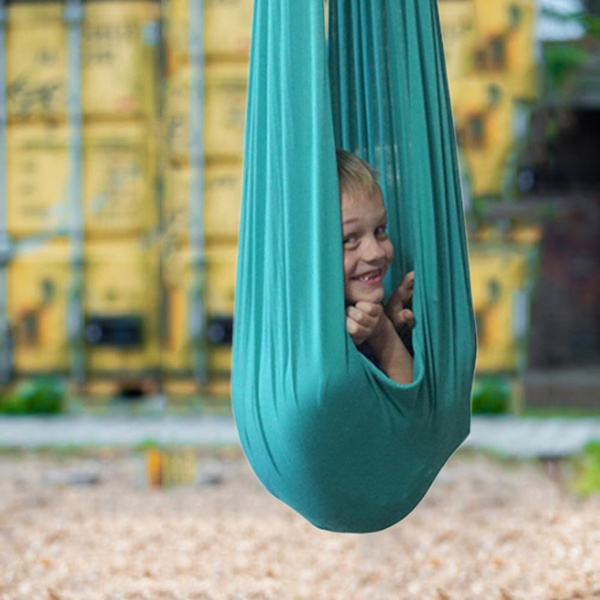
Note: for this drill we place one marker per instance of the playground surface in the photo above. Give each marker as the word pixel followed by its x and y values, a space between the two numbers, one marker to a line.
pixel 84 524
pixel 79 520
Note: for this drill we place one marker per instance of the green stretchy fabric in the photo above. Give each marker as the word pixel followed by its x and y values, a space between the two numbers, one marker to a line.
pixel 325 430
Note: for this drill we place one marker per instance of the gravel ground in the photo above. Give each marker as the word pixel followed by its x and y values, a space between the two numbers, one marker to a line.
pixel 488 529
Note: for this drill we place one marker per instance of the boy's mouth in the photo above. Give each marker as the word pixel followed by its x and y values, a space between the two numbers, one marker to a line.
pixel 370 277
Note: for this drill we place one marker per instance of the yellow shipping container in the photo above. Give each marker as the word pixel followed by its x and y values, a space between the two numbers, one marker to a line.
pixel 219 299
pixel 500 282
pixel 227 29
pixel 522 55
pixel 222 201
pixel 120 54
pixel 121 293
pixel 118 179
pixel 220 275
pixel 119 173
pixel 36 61
pixel 492 18
pixel 120 60
pixel 38 276
pixel 458 31
pixel 122 296
pixel 224 112
pixel 506 43
pixel 484 114
pixel 37 172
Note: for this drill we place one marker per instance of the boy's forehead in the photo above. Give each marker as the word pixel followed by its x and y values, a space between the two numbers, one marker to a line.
pixel 355 205
pixel 360 187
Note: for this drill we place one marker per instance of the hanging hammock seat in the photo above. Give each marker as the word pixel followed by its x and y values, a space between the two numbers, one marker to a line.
pixel 323 428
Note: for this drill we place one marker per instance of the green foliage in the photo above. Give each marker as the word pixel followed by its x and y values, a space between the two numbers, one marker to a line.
pixel 41 396
pixel 587 470
pixel 491 396
pixel 592 24
pixel 148 444
pixel 563 60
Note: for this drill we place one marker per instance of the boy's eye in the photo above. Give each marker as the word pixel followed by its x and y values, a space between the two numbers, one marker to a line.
pixel 349 239
pixel 381 232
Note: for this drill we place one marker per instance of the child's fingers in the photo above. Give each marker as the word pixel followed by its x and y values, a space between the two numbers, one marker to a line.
pixel 372 309
pixel 358 332
pixel 352 326
pixel 362 319
pixel 406 288
pixel 400 301
pixel 405 319
pixel 367 315
pixel 359 316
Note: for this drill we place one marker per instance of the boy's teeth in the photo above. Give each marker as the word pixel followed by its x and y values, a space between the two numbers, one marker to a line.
pixel 368 277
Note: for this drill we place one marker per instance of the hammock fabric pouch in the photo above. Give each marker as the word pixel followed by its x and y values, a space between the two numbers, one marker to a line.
pixel 325 430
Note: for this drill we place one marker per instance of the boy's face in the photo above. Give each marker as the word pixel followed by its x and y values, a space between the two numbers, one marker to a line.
pixel 368 250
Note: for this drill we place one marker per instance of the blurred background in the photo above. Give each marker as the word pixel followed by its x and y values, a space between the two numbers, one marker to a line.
pixel 121 142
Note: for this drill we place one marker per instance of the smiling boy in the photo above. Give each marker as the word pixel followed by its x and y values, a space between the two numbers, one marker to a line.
pixel 368 252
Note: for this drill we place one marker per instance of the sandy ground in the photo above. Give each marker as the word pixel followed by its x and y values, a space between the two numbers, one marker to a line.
pixel 487 530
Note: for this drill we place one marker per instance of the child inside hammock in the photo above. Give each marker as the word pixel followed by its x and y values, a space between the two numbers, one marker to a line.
pixel 381 332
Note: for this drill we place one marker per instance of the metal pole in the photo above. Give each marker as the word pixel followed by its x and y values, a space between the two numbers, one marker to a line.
pixel 197 308
pixel 6 346
pixel 74 18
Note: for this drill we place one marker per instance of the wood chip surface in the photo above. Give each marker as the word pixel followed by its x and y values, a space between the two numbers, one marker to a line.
pixel 487 530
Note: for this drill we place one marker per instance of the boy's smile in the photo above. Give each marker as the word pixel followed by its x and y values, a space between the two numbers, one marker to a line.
pixel 368 250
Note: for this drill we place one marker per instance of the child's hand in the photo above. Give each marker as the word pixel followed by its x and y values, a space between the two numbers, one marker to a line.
pixel 362 320
pixel 399 306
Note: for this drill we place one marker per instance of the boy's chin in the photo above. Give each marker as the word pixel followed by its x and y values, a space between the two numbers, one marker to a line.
pixel 375 296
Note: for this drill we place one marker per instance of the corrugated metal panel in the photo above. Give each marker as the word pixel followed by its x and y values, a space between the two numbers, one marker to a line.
pixel 37 305
pixel 505 43
pixel 491 64
pixel 482 37
pixel 120 51
pixel 119 178
pixel 227 28
pixel 458 30
pixel 36 61
pixel 222 202
pixel 120 46
pixel 6 342
pixel 220 272
pixel 37 179
pixel 522 55
pixel 121 306
pixel 491 18
pixel 103 169
pixel 221 265
pixel 221 269
pixel 501 281
pixel 484 118
pixel 224 111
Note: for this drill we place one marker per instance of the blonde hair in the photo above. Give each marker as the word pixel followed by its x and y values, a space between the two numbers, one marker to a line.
pixel 356 175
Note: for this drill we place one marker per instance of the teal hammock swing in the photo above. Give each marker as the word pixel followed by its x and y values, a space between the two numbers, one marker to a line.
pixel 324 429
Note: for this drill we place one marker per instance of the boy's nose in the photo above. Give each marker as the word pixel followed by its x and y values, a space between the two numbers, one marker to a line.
pixel 373 251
